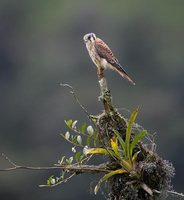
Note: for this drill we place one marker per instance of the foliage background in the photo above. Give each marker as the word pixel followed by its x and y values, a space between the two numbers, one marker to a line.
pixel 41 46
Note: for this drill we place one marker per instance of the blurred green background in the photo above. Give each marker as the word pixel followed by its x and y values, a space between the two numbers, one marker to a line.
pixel 41 46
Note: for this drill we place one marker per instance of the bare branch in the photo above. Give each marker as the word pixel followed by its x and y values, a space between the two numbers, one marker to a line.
pixel 77 100
pixel 29 168
pixel 171 193
pixel 67 168
pixel 175 193
pixel 6 158
pixel 73 168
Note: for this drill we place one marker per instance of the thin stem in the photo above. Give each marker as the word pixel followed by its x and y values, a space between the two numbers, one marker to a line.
pixel 78 132
pixel 176 193
pixel 68 168
pixel 58 183
pixel 77 100
pixel 78 145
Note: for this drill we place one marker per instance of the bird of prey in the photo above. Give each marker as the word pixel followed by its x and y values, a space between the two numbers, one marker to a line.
pixel 103 57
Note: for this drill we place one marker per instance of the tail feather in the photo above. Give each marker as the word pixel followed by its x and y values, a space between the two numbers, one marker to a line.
pixel 123 73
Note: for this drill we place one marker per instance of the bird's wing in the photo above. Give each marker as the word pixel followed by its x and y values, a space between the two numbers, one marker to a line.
pixel 104 52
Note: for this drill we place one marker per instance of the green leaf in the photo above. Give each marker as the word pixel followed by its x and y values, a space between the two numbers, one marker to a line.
pixel 62 175
pixel 94 138
pixel 128 133
pixel 73 126
pixel 136 139
pixel 107 176
pixel 69 122
pixel 62 160
pixel 88 141
pixel 100 151
pixel 97 151
pixel 49 180
pixel 70 160
pixel 127 165
pixel 74 139
pixel 83 128
pixel 120 139
pixel 114 145
pixel 77 156
pixel 135 156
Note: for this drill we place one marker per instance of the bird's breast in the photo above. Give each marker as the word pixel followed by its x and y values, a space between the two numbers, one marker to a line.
pixel 94 56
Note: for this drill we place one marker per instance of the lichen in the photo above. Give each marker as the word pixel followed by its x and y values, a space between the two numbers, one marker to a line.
pixel 153 171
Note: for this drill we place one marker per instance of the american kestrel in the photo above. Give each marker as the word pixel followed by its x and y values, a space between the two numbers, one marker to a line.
pixel 103 57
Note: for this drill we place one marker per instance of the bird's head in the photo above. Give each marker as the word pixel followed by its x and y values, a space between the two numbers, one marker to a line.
pixel 89 37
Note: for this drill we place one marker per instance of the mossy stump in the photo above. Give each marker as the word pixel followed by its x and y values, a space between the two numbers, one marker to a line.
pixel 154 173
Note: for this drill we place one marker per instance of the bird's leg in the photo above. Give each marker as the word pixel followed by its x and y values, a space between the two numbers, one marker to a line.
pixel 100 73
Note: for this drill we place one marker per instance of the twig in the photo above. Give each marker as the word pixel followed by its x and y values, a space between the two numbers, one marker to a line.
pixel 58 183
pixel 6 158
pixel 171 193
pixel 175 193
pixel 76 145
pixel 77 100
pixel 68 168
pixel 29 168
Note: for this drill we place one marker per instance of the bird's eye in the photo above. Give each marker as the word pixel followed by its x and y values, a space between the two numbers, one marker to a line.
pixel 89 37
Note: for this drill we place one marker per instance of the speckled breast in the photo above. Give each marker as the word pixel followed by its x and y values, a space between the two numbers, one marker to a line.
pixel 94 55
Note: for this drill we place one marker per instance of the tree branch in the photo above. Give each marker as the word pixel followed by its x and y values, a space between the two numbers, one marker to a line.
pixel 175 193
pixel 67 168
pixel 77 100
pixel 73 168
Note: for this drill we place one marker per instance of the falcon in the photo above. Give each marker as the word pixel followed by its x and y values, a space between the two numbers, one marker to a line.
pixel 103 57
